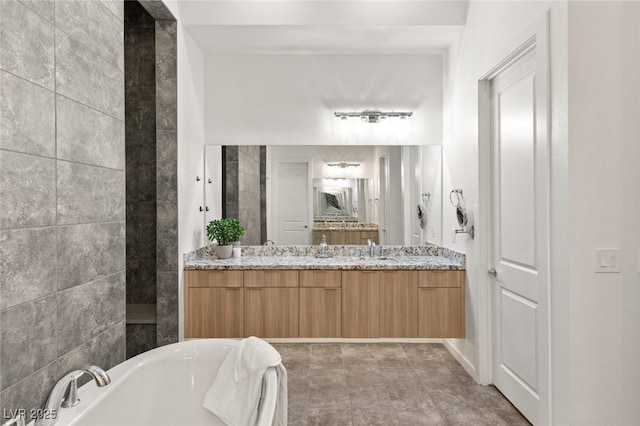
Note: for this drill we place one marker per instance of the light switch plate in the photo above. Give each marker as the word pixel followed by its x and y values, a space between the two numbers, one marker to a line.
pixel 607 260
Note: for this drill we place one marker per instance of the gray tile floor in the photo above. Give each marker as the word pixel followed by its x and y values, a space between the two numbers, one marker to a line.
pixel 387 384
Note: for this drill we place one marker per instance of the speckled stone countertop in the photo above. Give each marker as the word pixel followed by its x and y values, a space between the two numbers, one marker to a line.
pixel 344 258
pixel 344 226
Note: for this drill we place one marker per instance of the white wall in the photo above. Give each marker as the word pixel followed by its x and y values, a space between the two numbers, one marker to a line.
pixel 491 26
pixel 431 175
pixel 595 191
pixel 190 149
pixel 290 99
pixel 604 192
pixel 322 155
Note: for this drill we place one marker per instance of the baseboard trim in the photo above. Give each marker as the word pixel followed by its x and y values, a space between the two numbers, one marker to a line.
pixel 462 360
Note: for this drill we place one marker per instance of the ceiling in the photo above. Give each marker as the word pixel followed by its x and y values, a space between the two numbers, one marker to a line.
pixel 324 27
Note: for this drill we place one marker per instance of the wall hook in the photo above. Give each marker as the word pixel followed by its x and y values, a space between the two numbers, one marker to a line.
pixel 197 178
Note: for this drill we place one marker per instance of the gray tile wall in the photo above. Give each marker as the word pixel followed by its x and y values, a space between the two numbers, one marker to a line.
pixel 62 192
pixel 249 193
pixel 166 172
pixel 140 113
pixel 244 190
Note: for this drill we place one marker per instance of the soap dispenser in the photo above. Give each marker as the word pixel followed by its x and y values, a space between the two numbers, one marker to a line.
pixel 323 246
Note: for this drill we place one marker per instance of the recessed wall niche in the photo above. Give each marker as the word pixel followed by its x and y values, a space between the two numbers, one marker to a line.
pixel 151 176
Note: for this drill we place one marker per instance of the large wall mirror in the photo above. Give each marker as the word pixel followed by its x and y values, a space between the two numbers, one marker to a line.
pixel 296 194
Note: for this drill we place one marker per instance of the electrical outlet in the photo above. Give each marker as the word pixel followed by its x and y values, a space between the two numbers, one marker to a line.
pixel 607 261
pixel 453 235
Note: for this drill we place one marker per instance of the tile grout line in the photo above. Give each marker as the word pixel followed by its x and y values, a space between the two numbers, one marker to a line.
pixel 60 159
pixel 21 78
pixel 109 10
pixel 57 292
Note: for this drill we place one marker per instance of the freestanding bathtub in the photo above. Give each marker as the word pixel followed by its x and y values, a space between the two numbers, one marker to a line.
pixel 164 386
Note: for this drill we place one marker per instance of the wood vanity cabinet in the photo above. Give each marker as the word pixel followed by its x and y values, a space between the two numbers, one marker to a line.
pixel 271 303
pixel 398 304
pixel 324 303
pixel 320 304
pixel 441 304
pixel 214 301
pixel 360 304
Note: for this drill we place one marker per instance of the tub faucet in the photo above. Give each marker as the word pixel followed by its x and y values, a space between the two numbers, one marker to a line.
pixel 372 248
pixel 65 392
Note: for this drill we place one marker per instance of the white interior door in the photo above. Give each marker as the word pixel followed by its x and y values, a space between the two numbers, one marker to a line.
pixel 293 203
pixel 519 191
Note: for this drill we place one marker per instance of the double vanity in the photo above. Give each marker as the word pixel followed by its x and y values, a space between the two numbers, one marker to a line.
pixel 291 292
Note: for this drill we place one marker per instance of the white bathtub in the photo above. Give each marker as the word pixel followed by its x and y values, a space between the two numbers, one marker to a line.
pixel 164 386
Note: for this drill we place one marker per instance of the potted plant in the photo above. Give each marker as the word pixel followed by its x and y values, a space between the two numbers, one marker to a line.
pixel 224 232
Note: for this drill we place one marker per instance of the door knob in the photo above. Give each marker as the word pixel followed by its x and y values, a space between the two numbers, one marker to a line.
pixel 493 272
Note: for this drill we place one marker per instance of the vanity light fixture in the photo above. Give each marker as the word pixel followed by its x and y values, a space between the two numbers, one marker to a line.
pixel 373 116
pixel 343 165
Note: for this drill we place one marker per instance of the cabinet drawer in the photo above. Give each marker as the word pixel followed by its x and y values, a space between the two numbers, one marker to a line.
pixel 268 278
pixel 440 278
pixel 320 279
pixel 213 279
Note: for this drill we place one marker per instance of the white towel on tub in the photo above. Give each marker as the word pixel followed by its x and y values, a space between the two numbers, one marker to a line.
pixel 235 392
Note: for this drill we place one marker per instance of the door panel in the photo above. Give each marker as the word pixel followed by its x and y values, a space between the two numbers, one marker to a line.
pixel 517 207
pixel 516 188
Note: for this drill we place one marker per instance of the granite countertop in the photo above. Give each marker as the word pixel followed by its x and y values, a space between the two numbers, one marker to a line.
pixel 342 258
pixel 346 226
pixel 333 263
pixel 344 229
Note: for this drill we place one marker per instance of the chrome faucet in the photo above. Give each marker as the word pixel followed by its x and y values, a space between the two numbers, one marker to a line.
pixel 372 248
pixel 65 392
pixel 266 243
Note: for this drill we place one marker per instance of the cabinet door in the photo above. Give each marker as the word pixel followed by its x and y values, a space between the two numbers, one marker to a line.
pixel 215 312
pixel 360 304
pixel 317 237
pixel 441 312
pixel 337 238
pixel 398 304
pixel 320 312
pixel 352 238
pixel 271 312
pixel 368 235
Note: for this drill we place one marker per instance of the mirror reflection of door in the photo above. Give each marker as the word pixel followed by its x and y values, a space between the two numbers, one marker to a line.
pixel 292 208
